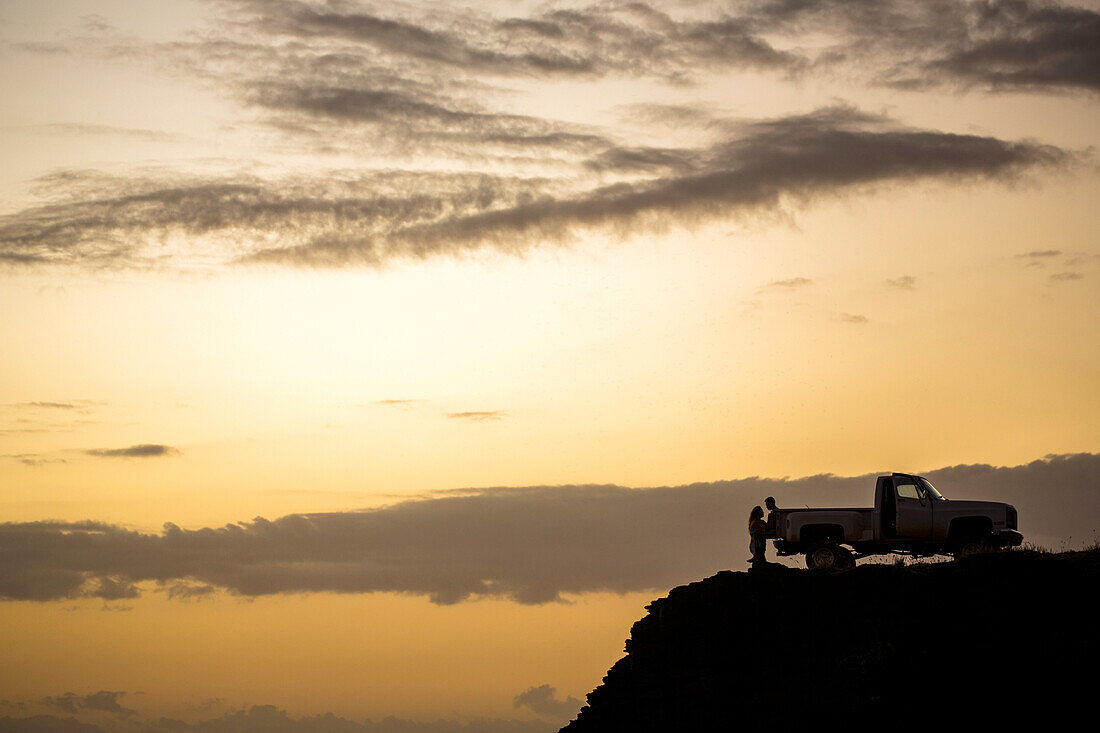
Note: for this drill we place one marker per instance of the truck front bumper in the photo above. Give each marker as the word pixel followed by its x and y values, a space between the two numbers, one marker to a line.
pixel 1009 538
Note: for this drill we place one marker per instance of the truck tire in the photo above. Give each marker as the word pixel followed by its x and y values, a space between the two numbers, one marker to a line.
pixel 845 558
pixel 970 546
pixel 824 554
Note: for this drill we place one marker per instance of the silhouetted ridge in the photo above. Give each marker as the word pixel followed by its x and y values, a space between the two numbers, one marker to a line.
pixel 988 637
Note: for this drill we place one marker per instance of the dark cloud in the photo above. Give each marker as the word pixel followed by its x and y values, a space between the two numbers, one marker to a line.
pixel 1063 276
pixel 103 229
pixel 628 39
pixel 1022 45
pixel 1040 254
pixel 905 282
pixel 915 44
pixel 336 77
pixel 144 450
pixel 479 416
pixel 542 701
pixel 268 718
pixel 103 701
pixel 529 544
pixel 797 158
pixel 114 589
pixel 644 159
pixel 189 591
pixel 414 117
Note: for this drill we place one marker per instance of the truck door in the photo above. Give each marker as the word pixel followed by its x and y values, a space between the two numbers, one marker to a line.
pixel 914 509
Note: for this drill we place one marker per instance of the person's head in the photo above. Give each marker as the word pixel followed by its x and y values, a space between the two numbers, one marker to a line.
pixel 755 514
pixel 770 503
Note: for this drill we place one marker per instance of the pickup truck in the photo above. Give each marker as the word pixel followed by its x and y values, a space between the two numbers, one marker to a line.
pixel 909 516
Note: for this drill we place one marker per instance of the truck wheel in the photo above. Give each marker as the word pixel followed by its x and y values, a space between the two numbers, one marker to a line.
pixel 824 554
pixel 845 558
pixel 970 546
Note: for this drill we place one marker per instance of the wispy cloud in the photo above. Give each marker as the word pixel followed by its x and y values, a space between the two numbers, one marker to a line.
pixel 853 318
pixel 479 416
pixel 144 450
pixel 793 283
pixel 91 130
pixel 905 282
pixel 48 405
pixel 1065 276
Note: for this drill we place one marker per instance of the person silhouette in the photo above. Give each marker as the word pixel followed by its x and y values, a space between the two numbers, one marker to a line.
pixel 757 541
pixel 773 514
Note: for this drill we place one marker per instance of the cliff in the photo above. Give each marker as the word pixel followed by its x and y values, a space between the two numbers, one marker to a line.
pixel 988 638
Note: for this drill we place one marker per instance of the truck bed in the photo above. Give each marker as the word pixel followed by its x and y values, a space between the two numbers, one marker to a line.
pixel 848 524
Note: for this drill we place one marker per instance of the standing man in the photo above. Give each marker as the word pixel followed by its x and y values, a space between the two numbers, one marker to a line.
pixel 773 515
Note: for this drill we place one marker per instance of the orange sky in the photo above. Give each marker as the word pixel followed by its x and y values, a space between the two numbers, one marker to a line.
pixel 265 259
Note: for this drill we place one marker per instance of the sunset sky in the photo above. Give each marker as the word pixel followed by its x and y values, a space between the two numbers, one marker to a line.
pixel 385 359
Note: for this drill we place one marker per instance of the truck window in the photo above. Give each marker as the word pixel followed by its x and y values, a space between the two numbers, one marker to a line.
pixel 930 489
pixel 907 489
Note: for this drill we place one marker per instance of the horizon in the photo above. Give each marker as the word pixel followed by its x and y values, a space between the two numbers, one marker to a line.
pixel 383 360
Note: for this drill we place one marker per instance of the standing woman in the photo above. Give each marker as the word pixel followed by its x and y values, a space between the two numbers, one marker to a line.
pixel 757 536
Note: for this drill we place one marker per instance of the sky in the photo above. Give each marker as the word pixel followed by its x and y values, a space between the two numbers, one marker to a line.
pixel 369 362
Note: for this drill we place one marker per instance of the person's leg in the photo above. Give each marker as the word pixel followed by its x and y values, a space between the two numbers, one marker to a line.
pixel 761 550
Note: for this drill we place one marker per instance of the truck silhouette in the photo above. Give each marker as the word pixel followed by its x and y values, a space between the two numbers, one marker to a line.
pixel 909 516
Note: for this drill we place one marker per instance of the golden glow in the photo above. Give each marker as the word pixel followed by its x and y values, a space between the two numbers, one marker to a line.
pixel 665 358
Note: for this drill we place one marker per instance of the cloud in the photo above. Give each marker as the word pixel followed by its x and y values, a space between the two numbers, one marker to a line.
pixel 83 129
pixel 479 416
pixel 593 41
pixel 1065 276
pixel 532 544
pixel 46 724
pixel 114 589
pixel 338 78
pixel 853 318
pixel 1022 45
pixel 102 701
pixel 905 282
pixel 144 450
pixel 541 701
pixel 190 592
pixel 997 45
pixel 32 459
pixel 267 718
pixel 1040 254
pixel 826 153
pixel 83 405
pixel 791 283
